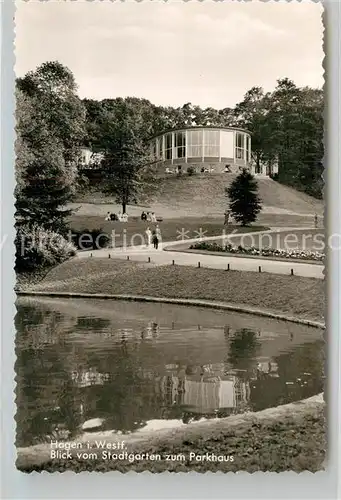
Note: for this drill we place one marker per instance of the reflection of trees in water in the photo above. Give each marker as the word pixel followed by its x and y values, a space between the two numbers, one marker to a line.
pixel 243 349
pixel 93 324
pixel 127 399
pixel 299 376
pixel 46 397
pixel 36 327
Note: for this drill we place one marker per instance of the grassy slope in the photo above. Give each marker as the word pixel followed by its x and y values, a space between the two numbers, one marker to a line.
pixel 205 195
pixel 285 294
pixel 296 442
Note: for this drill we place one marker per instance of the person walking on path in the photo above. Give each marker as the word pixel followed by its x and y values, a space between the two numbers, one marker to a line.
pixel 149 237
pixel 155 240
pixel 227 217
pixel 158 233
pixel 316 220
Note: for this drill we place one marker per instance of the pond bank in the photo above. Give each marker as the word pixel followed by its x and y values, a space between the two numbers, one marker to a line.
pixel 185 302
pixel 288 437
pixel 290 296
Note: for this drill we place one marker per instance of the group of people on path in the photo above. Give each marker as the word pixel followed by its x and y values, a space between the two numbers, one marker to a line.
pixel 117 217
pixel 153 237
pixel 149 217
pixel 145 216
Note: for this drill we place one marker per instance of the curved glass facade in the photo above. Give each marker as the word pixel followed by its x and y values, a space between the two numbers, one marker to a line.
pixel 203 145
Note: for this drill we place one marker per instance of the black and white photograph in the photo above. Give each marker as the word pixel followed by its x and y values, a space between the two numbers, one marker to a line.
pixel 170 237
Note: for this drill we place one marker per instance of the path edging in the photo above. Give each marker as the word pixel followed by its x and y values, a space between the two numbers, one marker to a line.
pixel 185 302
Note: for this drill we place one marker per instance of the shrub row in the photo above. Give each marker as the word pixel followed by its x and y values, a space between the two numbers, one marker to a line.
pixel 90 239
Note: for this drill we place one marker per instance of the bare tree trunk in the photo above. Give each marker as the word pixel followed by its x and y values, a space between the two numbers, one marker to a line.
pixel 258 163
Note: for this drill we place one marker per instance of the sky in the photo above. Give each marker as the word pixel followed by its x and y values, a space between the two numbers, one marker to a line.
pixel 208 53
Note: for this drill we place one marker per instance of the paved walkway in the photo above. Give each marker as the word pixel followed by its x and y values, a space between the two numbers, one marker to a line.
pixel 167 257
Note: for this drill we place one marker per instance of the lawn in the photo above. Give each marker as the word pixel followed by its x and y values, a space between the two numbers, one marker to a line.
pixel 171 229
pixel 298 296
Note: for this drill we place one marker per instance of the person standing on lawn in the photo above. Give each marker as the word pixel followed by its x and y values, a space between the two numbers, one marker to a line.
pixel 158 233
pixel 149 236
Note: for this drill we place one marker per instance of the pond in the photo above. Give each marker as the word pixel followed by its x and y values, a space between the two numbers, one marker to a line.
pixel 128 366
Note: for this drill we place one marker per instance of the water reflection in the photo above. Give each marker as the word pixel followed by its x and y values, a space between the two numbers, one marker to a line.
pixel 124 365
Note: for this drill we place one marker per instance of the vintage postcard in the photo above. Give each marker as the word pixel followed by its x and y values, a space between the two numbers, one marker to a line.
pixel 170 237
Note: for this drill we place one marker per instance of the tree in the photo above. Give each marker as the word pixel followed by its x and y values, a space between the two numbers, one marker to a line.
pixel 286 125
pixel 128 163
pixel 45 183
pixel 50 131
pixel 253 115
pixel 297 123
pixel 53 91
pixel 245 203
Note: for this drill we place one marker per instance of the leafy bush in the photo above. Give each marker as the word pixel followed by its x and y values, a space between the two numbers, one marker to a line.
pixel 90 239
pixel 37 247
pixel 191 171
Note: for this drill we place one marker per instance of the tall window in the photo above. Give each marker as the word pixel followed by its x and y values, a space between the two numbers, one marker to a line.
pixel 248 148
pixel 160 148
pixel 195 141
pixel 168 147
pixel 180 144
pixel 240 137
pixel 211 143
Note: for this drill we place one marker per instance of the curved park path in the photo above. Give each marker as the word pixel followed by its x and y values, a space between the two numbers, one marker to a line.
pixel 172 251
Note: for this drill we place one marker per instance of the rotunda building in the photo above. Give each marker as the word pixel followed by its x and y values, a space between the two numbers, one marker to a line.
pixel 202 149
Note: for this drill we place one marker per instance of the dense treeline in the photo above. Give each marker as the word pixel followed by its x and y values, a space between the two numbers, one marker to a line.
pixel 286 126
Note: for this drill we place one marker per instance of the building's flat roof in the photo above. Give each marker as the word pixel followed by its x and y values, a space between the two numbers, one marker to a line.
pixel 198 127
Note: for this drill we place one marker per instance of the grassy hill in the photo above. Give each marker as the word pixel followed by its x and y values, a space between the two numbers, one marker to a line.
pixel 204 195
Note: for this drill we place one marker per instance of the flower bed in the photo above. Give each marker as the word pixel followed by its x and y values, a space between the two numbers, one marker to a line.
pixel 264 252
